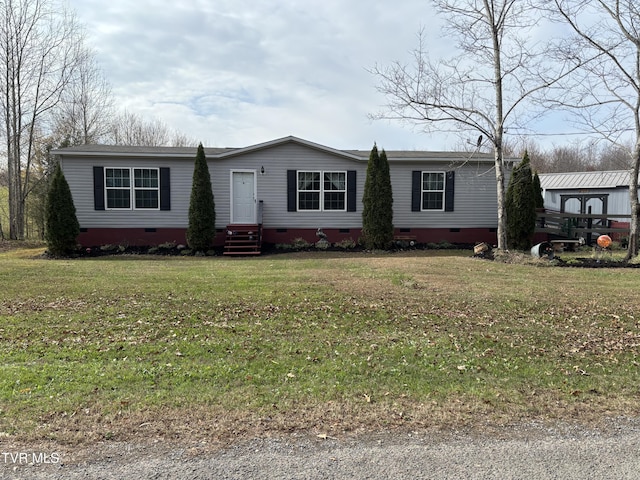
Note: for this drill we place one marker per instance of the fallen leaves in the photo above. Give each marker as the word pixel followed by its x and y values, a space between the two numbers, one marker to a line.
pixel 378 352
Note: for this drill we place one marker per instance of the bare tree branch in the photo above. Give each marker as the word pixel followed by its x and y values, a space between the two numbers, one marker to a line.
pixel 606 98
pixel 488 88
pixel 38 58
pixel 130 128
pixel 86 110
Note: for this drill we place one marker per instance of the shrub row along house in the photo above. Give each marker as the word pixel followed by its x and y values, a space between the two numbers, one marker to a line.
pixel 276 192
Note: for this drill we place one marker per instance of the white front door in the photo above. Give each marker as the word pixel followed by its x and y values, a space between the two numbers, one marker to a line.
pixel 243 197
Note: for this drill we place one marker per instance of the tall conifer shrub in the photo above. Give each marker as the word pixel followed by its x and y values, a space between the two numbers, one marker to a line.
pixel 377 200
pixel 521 206
pixel 202 211
pixel 61 224
pixel 537 191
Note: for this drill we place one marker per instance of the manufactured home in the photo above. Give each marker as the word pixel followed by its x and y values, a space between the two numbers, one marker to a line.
pixel 276 192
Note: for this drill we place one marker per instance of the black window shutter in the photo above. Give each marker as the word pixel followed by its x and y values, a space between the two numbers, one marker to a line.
pixel 98 188
pixel 165 189
pixel 448 191
pixel 292 189
pixel 351 191
pixel 416 190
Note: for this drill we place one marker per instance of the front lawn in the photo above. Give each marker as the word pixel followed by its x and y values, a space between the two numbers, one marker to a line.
pixel 186 347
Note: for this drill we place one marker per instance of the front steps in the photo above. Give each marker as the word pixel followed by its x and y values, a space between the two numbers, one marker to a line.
pixel 243 240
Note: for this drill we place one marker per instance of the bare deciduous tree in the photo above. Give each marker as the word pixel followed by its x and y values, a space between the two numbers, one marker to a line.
pixel 483 89
pixel 588 155
pixel 615 157
pixel 132 129
pixel 39 52
pixel 85 113
pixel 83 116
pixel 606 98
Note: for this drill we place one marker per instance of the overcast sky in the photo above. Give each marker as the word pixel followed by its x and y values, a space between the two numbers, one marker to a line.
pixel 232 73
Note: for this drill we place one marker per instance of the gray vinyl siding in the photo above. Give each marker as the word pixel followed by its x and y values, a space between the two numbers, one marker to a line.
pixel 474 197
pixel 79 174
pixel 271 189
pixel 475 191
pixel 272 186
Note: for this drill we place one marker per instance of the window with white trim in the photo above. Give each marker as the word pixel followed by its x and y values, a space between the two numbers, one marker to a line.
pixel 322 191
pixel 146 187
pixel 433 190
pixel 120 193
pixel 118 187
pixel 335 190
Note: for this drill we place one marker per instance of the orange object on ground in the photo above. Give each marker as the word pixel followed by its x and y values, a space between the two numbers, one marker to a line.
pixel 604 241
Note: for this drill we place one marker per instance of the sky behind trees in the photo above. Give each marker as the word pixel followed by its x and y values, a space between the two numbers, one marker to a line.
pixel 239 72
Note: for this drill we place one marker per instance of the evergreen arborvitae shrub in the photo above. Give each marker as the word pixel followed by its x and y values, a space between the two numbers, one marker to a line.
pixel 61 224
pixel 520 206
pixel 385 220
pixel 377 213
pixel 537 191
pixel 202 211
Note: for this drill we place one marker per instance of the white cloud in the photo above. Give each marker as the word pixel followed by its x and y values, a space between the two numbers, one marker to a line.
pixel 238 72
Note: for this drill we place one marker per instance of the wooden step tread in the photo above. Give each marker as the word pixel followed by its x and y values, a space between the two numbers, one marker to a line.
pixel 244 239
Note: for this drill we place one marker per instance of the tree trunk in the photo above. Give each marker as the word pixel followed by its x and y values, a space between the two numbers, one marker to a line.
pixel 499 126
pixel 502 218
pixel 16 203
pixel 633 247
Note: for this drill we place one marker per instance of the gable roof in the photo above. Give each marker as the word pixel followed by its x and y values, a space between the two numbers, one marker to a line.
pixel 229 152
pixel 289 139
pixel 576 180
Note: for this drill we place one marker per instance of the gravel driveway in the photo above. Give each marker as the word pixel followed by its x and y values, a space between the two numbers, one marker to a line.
pixel 518 452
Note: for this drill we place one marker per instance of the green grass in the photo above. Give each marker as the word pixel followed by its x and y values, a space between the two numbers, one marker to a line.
pixel 95 348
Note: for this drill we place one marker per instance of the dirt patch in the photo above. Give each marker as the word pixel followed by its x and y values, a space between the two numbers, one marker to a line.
pixel 597 263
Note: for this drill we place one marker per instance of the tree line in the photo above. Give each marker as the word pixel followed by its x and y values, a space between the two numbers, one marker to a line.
pixel 585 156
pixel 53 94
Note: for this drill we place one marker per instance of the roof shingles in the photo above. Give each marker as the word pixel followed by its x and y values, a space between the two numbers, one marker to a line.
pixel 189 152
